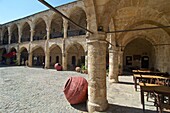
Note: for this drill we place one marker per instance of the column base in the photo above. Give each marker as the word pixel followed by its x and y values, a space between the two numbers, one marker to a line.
pixel 92 107
pixel 113 81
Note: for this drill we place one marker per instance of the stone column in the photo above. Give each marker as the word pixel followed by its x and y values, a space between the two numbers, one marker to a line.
pixel 32 32
pixel 64 61
pixel 97 96
pixel 65 26
pixel 18 57
pixel 1 37
pixel 9 35
pixel 47 52
pixel 20 35
pixel 120 61
pixel 113 65
pixel 30 59
pixel 86 55
pixel 47 55
pixel 47 59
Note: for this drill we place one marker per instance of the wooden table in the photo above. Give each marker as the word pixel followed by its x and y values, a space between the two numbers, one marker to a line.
pixel 138 76
pixel 145 87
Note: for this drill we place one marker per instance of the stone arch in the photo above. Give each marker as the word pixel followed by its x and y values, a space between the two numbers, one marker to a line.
pixel 140 12
pixel 55 55
pixel 78 15
pixel 75 55
pixel 56 26
pixel 12 56
pixel 23 55
pixel 3 51
pixel 149 23
pixel 135 50
pixel 38 56
pixel 40 29
pixel 26 32
pixel 5 38
pixel 14 34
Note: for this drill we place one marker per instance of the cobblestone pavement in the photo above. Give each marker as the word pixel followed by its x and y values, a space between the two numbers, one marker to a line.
pixel 37 90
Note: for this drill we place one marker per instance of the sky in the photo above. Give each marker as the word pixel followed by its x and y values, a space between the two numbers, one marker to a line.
pixel 15 9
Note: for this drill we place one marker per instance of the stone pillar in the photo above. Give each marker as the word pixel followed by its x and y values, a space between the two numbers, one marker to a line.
pixel 32 32
pixel 86 55
pixel 9 35
pixel 86 59
pixel 1 37
pixel 47 60
pixel 47 55
pixel 120 61
pixel 97 96
pixel 64 61
pixel 47 52
pixel 113 65
pixel 20 35
pixel 30 59
pixel 65 26
pixel 18 57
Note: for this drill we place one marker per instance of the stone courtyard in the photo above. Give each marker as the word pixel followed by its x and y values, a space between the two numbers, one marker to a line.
pixel 37 90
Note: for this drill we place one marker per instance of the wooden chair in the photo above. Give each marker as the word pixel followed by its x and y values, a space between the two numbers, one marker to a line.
pixel 162 102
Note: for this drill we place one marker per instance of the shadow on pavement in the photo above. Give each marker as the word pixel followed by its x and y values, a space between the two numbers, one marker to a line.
pixel 81 107
pixel 114 109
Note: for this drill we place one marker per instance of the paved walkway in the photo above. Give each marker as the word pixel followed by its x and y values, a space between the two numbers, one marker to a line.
pixel 37 90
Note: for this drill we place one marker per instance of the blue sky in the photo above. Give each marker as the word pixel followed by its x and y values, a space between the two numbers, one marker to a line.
pixel 14 9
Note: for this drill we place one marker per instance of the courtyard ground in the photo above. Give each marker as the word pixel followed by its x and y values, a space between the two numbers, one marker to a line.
pixel 37 90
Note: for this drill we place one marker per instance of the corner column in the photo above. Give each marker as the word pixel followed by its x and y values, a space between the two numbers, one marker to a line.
pixel 97 95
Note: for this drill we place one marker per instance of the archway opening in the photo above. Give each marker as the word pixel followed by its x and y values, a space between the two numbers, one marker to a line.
pixel 38 57
pixel 3 58
pixel 12 56
pixel 26 33
pixel 40 30
pixel 55 55
pixel 76 56
pixel 78 15
pixel 14 35
pixel 56 27
pixel 24 56
pixel 5 37
pixel 138 54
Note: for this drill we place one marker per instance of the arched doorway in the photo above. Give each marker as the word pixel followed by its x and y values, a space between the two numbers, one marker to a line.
pixel 138 54
pixel 3 58
pixel 14 35
pixel 56 27
pixel 40 30
pixel 38 57
pixel 24 56
pixel 78 15
pixel 76 56
pixel 26 33
pixel 55 55
pixel 12 56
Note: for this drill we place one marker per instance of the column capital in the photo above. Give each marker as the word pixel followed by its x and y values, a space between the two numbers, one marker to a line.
pixel 99 36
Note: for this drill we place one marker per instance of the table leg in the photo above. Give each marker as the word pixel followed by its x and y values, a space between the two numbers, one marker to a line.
pixel 135 83
pixel 142 99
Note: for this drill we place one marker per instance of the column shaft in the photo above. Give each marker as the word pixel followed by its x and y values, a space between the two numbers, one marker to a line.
pixel 113 66
pixel 30 59
pixel 97 96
